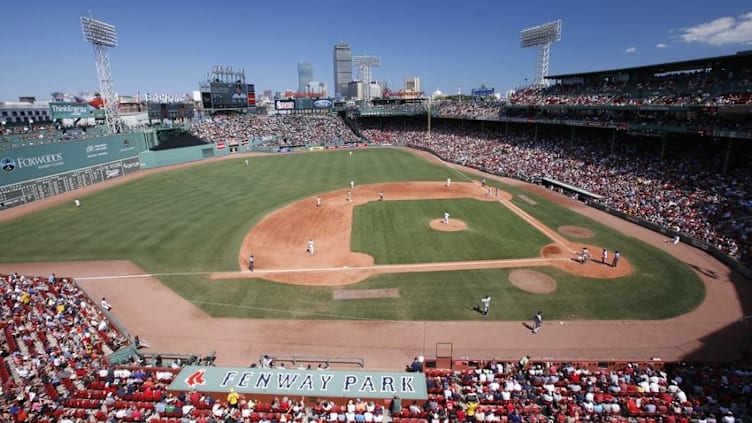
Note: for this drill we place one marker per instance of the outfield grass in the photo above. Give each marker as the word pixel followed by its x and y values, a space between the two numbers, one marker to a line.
pixel 194 219
pixel 381 229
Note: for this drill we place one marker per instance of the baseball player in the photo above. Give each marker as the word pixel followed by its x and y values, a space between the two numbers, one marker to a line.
pixel 446 218
pixel 318 201
pixel 105 305
pixel 537 322
pixel 77 203
pixel 381 196
pixel 251 262
pixel 352 184
pixel 485 303
pixel 310 250
pixel 617 256
pixel 604 256
pixel 448 182
pixel 349 195
pixel 246 162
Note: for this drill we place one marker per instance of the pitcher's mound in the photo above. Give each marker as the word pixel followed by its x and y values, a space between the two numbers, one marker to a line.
pixel 576 231
pixel 453 226
pixel 532 281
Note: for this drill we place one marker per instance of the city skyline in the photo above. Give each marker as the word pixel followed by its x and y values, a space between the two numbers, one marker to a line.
pixel 170 47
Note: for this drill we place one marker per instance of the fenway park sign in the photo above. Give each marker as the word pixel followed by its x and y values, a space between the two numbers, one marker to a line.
pixel 325 383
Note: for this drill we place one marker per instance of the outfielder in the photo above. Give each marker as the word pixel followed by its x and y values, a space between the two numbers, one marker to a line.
pixel 485 302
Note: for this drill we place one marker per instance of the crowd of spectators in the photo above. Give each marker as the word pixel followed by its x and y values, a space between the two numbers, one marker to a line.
pixel 470 109
pixel 497 391
pixel 51 336
pixel 55 340
pixel 276 130
pixel 685 194
pixel 699 88
pixel 22 136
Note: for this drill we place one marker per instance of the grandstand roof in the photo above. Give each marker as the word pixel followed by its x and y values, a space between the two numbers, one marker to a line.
pixel 741 57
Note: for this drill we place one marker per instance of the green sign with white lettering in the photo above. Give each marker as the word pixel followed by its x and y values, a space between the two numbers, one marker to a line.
pixel 74 111
pixel 324 383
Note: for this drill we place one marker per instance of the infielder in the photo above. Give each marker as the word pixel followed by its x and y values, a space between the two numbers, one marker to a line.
pixel 352 184
pixel 448 182
pixel 318 201
pixel 349 195
pixel 381 196
pixel 537 322
pixel 446 218
pixel 251 262
pixel 311 246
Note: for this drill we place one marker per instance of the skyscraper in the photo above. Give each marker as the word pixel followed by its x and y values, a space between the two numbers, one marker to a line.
pixel 305 76
pixel 342 69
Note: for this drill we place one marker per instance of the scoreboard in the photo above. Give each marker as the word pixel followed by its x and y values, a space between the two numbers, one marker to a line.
pixel 172 111
pixel 29 191
pixel 227 95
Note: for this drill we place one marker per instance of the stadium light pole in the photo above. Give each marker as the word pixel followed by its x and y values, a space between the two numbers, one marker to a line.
pixel 102 35
pixel 430 144
pixel 365 63
pixel 541 37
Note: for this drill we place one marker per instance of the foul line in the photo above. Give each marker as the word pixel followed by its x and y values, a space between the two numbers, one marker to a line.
pixel 463 265
pixel 535 223
pixel 306 313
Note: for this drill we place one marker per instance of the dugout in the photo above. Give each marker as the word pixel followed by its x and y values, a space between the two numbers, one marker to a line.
pixel 570 190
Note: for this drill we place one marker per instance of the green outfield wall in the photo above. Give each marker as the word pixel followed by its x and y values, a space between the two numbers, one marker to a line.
pixel 150 159
pixel 43 170
pixel 37 161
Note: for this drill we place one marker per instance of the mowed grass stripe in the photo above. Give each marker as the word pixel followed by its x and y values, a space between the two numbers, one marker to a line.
pixel 382 229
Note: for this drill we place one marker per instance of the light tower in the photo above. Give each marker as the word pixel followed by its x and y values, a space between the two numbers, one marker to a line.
pixel 365 63
pixel 103 35
pixel 541 36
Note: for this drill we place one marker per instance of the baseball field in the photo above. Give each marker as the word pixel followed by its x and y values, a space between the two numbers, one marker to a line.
pixel 193 227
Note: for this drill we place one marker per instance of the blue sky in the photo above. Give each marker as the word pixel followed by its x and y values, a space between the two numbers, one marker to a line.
pixel 168 46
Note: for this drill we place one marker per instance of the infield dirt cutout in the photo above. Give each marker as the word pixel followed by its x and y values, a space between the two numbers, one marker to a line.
pixel 576 231
pixel 532 281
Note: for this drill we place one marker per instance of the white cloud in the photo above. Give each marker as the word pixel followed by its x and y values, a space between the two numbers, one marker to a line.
pixel 661 45
pixel 721 31
pixel 630 50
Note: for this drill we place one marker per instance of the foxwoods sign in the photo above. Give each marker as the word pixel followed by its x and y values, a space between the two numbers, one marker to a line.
pixel 325 383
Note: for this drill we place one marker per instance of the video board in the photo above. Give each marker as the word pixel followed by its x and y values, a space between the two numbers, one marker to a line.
pixel 226 95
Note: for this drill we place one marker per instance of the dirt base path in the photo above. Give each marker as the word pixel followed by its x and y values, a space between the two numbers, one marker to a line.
pixel 710 332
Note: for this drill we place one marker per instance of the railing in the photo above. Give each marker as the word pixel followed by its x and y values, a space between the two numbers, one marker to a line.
pixel 296 359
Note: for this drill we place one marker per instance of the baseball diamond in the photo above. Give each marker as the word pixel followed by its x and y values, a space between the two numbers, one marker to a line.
pixel 236 293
